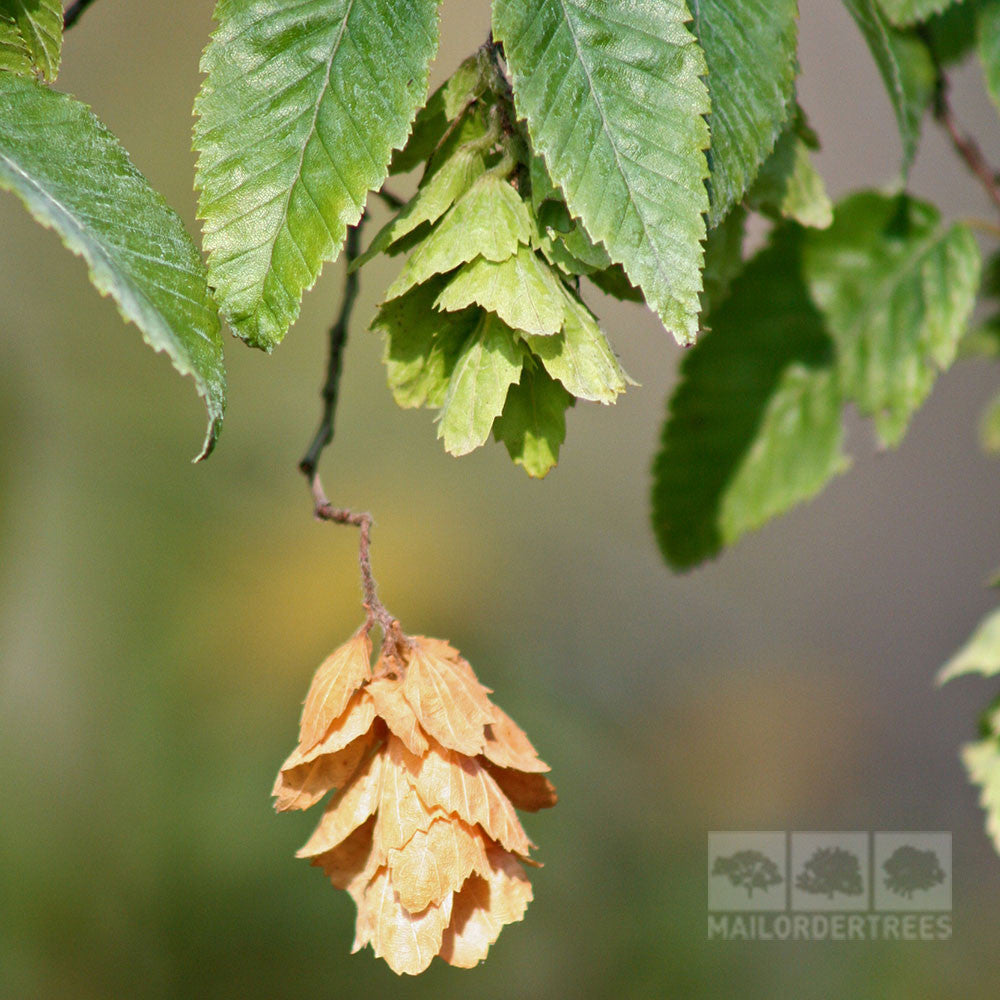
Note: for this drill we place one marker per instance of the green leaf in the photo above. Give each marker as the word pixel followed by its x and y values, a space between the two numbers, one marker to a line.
pixel 14 55
pixel 982 761
pixel 988 46
pixel 490 362
pixel 896 289
pixel 980 655
pixel 31 36
pixel 989 427
pixel 906 12
pixel 301 108
pixel 789 186
pixel 489 220
pixel 754 426
pixel 580 357
pixel 448 184
pixel 750 51
pixel 723 258
pixel 615 99
pixel 74 177
pixel 446 105
pixel 533 422
pixel 421 344
pixel 952 33
pixel 905 64
pixel 521 290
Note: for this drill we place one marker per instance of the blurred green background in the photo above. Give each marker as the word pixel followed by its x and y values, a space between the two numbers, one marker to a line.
pixel 160 623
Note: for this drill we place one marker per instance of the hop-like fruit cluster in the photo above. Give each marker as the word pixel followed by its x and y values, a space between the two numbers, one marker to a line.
pixel 422 830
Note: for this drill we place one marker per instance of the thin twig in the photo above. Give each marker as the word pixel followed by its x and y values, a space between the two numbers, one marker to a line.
pixel 964 145
pixel 377 614
pixel 73 13
pixel 338 337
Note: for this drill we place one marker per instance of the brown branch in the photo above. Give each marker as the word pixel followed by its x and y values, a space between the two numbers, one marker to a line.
pixel 73 13
pixel 965 145
pixel 376 611
pixel 338 338
pixel 323 510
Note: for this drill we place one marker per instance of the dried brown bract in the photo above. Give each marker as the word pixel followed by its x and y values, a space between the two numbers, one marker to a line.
pixel 422 829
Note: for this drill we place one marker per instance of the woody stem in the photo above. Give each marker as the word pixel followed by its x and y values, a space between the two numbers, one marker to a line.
pixel 323 510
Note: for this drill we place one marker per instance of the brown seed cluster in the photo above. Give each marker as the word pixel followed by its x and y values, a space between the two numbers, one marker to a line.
pixel 422 830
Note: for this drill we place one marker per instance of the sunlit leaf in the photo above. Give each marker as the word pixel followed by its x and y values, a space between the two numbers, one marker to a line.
pixel 789 185
pixel 905 12
pixel 522 290
pixel 980 655
pixel 615 99
pixel 300 110
pixel 754 426
pixel 31 36
pixel 74 177
pixel 490 362
pixel 533 422
pixel 896 289
pixel 489 220
pixel 750 51
pixel 580 357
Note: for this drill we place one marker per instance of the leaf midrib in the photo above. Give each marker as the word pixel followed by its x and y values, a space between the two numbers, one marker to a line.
pixel 302 154
pixel 604 128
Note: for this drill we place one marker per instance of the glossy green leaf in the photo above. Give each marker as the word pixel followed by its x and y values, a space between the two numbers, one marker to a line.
pixel 301 108
pixel 723 258
pixel 988 45
pixel 952 33
pixel 980 655
pixel 896 289
pixel 31 36
pixel 74 177
pixel 989 427
pixel 489 363
pixel 754 426
pixel 533 422
pixel 906 12
pixel 580 357
pixel 521 290
pixel 905 64
pixel 982 761
pixel 614 98
pixel 750 50
pixel 789 185
pixel 489 220
pixel 421 344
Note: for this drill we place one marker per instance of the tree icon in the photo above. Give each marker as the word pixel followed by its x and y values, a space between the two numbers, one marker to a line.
pixel 749 870
pixel 911 870
pixel 831 870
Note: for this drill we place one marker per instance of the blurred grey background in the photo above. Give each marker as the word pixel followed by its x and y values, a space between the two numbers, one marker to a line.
pixel 160 621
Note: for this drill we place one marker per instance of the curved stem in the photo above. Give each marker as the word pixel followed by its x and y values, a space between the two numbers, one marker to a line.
pixel 965 145
pixel 338 338
pixel 323 510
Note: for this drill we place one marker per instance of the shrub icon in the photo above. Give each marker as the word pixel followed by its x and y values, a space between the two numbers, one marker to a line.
pixel 831 870
pixel 748 870
pixel 911 870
